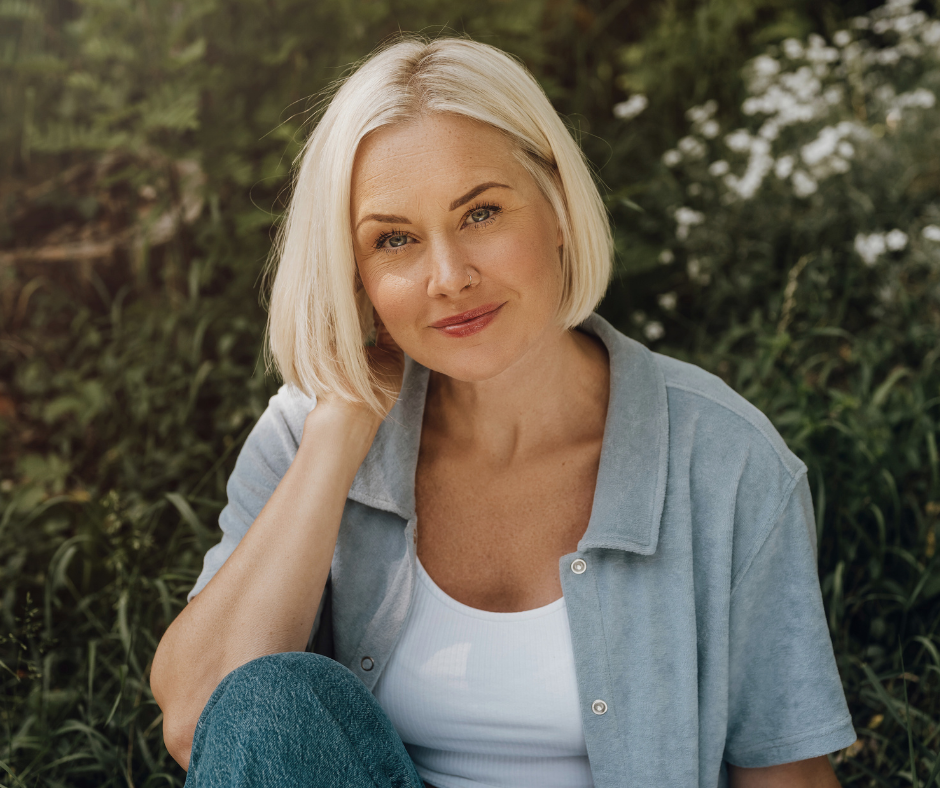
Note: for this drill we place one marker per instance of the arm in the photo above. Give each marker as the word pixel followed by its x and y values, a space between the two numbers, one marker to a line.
pixel 811 773
pixel 264 598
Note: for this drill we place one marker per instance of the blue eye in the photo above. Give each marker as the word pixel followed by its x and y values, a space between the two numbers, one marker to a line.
pixel 482 214
pixel 392 241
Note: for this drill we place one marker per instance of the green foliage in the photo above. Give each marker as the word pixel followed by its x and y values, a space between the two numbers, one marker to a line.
pixel 129 377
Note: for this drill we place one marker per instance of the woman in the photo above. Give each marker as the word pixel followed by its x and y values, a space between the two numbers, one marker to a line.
pixel 544 555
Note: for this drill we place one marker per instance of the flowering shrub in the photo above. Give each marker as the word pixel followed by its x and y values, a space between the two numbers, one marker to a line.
pixel 833 159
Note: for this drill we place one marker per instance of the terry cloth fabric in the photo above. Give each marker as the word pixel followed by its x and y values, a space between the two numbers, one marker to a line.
pixel 696 617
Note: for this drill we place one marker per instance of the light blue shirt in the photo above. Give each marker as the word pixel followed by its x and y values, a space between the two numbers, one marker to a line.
pixel 693 598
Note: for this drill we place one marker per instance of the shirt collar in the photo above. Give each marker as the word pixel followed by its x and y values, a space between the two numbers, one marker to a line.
pixel 631 479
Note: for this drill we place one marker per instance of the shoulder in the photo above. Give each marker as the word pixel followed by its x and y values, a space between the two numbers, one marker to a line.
pixel 730 463
pixel 698 397
pixel 272 444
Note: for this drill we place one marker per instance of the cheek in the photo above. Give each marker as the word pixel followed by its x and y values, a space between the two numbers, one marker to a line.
pixel 530 261
pixel 394 298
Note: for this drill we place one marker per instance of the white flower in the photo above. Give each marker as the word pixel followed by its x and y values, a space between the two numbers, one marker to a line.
pixel 930 33
pixel 833 95
pixel 842 38
pixel 783 167
pixel 765 66
pixel 703 112
pixel 719 168
pixel 739 141
pixel 769 130
pixel 633 106
pixel 888 57
pixel 896 240
pixel 803 184
pixel 666 257
pixel 931 233
pixel 672 157
pixel 653 330
pixel 685 219
pixel 688 216
pixel 793 49
pixel 667 301
pixel 870 247
pixel 833 165
pixel 820 148
pixel 845 149
pixel 710 129
pixel 923 98
pixel 692 147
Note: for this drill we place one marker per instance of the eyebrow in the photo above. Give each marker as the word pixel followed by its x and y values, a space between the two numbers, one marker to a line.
pixel 386 218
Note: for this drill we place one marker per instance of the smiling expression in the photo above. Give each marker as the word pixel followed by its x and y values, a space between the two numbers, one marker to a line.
pixel 456 246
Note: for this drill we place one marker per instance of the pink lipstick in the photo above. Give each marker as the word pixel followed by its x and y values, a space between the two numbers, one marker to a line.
pixel 470 322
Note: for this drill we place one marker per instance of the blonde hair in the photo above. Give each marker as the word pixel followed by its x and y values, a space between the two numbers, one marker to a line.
pixel 319 316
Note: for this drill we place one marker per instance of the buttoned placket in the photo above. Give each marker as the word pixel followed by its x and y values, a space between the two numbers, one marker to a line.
pixel 627 520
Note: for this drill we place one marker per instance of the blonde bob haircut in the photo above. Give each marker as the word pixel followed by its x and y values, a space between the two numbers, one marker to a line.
pixel 319 316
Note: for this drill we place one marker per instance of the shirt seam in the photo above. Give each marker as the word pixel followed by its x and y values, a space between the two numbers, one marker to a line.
pixel 743 416
pixel 774 519
pixel 796 738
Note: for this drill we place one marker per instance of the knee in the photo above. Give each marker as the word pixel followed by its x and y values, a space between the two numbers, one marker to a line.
pixel 286 680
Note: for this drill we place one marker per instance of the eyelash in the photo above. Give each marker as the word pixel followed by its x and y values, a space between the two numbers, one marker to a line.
pixel 493 207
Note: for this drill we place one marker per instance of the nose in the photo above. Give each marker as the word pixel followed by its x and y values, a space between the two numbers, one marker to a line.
pixel 448 268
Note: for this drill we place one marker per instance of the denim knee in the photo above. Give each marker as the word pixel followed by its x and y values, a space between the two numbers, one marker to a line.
pixel 289 677
pixel 297 716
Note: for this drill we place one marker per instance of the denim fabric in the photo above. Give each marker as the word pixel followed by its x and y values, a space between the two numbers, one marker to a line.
pixel 298 720
pixel 699 619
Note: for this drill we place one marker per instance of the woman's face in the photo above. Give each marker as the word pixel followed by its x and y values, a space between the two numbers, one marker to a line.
pixel 439 203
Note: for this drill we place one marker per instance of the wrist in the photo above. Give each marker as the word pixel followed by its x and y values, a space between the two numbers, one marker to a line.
pixel 353 425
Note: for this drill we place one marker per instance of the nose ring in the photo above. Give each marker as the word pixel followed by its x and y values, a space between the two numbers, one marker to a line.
pixel 470 278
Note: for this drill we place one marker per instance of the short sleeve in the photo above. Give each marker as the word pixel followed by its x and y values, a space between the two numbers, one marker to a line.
pixel 785 696
pixel 264 459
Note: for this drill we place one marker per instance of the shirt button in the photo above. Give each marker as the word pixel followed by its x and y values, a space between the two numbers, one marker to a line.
pixel 578 566
pixel 599 707
pixel 367 663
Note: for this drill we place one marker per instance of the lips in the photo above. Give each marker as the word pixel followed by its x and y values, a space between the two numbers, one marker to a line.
pixel 469 322
pixel 464 317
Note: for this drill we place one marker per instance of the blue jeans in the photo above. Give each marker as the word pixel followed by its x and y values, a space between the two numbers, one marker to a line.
pixel 296 719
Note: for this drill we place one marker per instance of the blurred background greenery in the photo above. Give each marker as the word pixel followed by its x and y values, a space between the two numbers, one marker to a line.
pixel 772 170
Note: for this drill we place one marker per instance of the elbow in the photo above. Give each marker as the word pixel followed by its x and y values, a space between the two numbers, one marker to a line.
pixel 178 727
pixel 178 739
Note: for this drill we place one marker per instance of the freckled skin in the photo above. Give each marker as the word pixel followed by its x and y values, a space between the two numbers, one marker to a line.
pixel 416 171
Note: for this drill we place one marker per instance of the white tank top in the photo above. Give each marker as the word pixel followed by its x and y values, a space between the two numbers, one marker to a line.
pixel 486 700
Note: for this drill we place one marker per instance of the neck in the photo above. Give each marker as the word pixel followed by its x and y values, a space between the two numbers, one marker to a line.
pixel 556 394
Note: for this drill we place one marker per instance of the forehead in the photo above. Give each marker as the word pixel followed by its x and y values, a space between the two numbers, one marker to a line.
pixel 436 154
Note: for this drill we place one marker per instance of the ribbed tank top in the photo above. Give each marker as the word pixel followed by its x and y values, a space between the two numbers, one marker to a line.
pixel 486 700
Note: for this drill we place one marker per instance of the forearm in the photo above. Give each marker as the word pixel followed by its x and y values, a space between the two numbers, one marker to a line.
pixel 811 773
pixel 263 600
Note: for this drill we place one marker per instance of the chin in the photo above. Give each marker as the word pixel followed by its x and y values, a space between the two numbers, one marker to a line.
pixel 472 364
